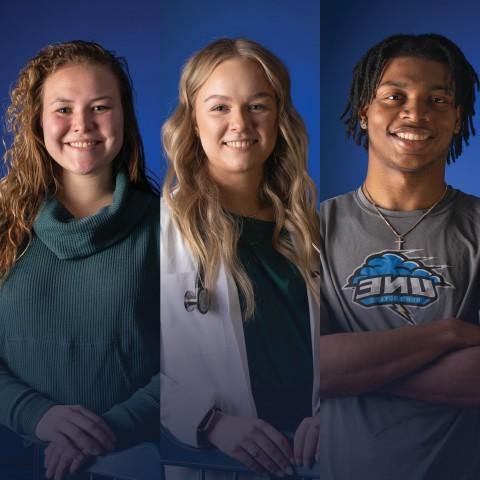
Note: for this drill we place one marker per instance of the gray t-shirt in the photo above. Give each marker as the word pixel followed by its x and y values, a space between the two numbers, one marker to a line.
pixel 368 285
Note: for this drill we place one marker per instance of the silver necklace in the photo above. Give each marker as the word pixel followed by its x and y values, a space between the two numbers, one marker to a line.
pixel 400 241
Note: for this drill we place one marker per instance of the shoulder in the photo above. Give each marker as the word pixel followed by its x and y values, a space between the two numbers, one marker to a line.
pixel 342 204
pixel 175 254
pixel 467 206
pixel 147 206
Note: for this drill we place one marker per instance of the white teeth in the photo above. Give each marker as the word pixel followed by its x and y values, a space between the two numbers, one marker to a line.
pixel 82 144
pixel 242 145
pixel 411 136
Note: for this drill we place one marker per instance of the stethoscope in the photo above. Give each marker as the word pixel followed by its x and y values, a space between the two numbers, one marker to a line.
pixel 200 299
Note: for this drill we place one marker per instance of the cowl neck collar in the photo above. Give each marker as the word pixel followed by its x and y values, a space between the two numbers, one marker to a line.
pixel 69 237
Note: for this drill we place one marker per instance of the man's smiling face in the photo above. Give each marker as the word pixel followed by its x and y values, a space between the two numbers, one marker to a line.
pixel 413 116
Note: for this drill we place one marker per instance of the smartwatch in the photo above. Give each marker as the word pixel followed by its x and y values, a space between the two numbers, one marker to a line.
pixel 206 426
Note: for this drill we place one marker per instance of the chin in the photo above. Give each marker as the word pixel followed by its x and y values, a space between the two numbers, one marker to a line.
pixel 410 164
pixel 86 168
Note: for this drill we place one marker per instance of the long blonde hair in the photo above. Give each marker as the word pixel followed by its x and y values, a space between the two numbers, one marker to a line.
pixel 31 172
pixel 211 233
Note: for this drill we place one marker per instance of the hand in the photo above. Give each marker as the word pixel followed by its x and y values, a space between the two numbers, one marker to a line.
pixel 254 443
pixel 306 443
pixel 62 458
pixel 466 334
pixel 85 430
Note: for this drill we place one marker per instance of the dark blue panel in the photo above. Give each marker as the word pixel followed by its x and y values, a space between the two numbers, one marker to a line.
pixel 348 30
pixel 131 29
pixel 287 27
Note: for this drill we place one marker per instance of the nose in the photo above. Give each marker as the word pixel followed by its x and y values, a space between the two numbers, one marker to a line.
pixel 82 121
pixel 240 120
pixel 416 110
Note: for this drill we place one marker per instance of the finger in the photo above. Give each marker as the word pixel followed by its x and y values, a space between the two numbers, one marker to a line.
pixel 259 454
pixel 310 445
pixel 274 453
pixel 77 462
pixel 63 464
pixel 299 441
pixel 47 453
pixel 246 459
pixel 52 462
pixel 98 421
pixel 280 442
pixel 81 439
pixel 93 428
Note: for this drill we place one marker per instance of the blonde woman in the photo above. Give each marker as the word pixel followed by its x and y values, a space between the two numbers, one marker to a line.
pixel 239 299
pixel 79 226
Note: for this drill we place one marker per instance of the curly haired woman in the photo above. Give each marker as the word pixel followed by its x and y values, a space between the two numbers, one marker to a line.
pixel 79 255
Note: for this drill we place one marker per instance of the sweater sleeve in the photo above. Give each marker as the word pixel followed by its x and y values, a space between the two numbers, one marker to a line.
pixel 21 407
pixel 138 417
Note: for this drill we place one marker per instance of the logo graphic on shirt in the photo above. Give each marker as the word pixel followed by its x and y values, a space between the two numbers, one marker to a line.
pixel 393 280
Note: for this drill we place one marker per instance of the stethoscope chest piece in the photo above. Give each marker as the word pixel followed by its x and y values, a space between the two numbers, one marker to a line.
pixel 203 302
pixel 200 299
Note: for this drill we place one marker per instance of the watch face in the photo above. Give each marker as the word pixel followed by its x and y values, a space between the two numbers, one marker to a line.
pixel 203 300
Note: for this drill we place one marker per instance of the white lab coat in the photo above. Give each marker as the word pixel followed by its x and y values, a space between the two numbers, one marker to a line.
pixel 203 357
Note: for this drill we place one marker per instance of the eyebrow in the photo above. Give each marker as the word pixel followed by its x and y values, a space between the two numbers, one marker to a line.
pixel 68 100
pixel 391 83
pixel 253 97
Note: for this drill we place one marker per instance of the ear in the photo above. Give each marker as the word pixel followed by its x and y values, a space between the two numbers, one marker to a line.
pixel 458 119
pixel 362 118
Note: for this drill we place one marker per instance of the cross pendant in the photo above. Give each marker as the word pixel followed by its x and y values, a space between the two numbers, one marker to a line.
pixel 399 241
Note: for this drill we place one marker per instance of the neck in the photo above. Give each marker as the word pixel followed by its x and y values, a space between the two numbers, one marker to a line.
pixel 405 192
pixel 239 195
pixel 85 195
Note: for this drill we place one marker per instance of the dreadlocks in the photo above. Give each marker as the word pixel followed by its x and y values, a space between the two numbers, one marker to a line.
pixel 370 68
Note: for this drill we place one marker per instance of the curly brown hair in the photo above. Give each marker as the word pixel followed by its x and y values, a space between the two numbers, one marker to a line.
pixel 31 174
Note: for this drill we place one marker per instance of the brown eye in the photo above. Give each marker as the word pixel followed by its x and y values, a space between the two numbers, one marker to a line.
pixel 258 107
pixel 219 108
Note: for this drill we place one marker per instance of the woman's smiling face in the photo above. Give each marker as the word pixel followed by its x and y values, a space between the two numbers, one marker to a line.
pixel 82 118
pixel 236 118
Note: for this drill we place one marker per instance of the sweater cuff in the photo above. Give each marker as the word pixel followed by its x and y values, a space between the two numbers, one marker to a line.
pixel 30 413
pixel 138 418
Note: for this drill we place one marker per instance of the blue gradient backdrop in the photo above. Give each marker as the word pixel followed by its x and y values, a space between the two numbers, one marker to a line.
pixel 131 29
pixel 348 29
pixel 287 27
pixel 156 38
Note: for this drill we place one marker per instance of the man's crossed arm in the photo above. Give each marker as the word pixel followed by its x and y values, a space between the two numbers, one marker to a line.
pixel 438 363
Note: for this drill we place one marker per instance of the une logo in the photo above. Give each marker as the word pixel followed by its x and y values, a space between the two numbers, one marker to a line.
pixel 393 280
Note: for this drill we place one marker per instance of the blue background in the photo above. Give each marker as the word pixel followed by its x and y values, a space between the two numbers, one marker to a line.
pixel 348 30
pixel 130 28
pixel 287 27
pixel 157 37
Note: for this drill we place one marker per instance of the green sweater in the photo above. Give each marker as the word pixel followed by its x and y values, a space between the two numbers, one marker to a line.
pixel 79 317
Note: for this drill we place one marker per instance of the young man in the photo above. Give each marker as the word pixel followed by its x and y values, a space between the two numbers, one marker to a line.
pixel 400 345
